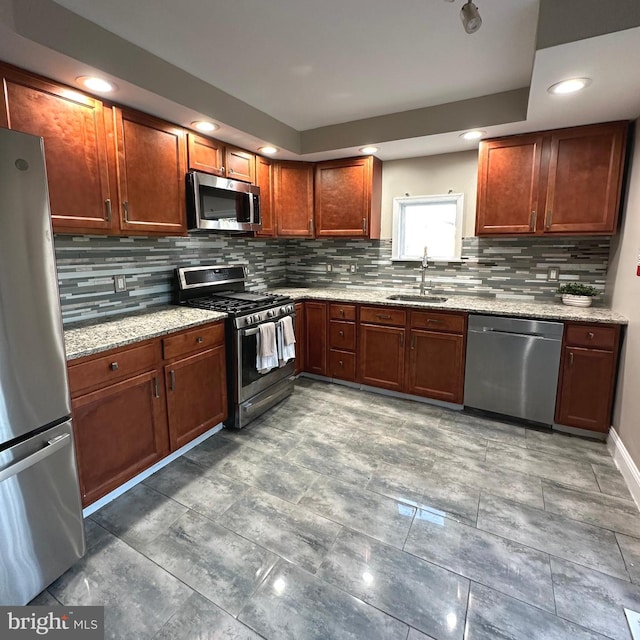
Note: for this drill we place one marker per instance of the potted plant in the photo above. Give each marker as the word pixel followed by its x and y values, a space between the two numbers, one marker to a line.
pixel 576 294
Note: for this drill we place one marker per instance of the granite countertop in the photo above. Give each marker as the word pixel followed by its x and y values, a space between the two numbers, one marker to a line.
pixel 490 306
pixel 116 332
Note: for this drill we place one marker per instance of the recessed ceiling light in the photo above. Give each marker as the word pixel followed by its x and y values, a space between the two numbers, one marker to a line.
pixel 268 149
pixel 569 86
pixel 95 84
pixel 203 125
pixel 369 149
pixel 472 135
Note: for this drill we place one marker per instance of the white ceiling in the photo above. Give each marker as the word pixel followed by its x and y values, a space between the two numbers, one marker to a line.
pixel 333 63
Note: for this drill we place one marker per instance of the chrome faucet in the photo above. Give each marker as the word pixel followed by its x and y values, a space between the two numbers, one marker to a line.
pixel 423 271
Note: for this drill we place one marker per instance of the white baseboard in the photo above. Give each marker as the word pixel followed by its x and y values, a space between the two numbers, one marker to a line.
pixel 98 504
pixel 625 463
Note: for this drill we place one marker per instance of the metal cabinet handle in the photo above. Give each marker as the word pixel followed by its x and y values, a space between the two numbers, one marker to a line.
pixel 341 333
pixel 221 169
pixel 310 226
pixel 199 339
pixel 172 380
pixel 590 335
pixel 433 320
pixel 547 220
pixel 230 170
pixel 156 388
pixel 107 205
pixel 341 363
pixel 402 339
pixel 571 358
pixel 532 224
pixel 342 312
pixel 364 225
pixel 413 341
pixel 114 366
pixel 125 208
pixel 383 316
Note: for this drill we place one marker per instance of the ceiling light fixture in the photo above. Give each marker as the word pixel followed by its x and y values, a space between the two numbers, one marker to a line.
pixel 476 134
pixel 203 125
pixel 369 149
pixel 268 149
pixel 470 17
pixel 569 86
pixel 95 84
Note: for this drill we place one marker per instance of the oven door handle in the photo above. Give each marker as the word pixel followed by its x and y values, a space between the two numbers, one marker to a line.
pixel 254 330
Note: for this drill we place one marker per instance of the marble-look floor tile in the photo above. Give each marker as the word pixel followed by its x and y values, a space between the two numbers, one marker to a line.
pixel 294 605
pixel 495 480
pixel 492 616
pixel 427 490
pixel 611 481
pixel 543 465
pixel 199 619
pixel 482 427
pixel 139 515
pixel 367 512
pixel 424 596
pixel 496 562
pixel 414 634
pixel 274 475
pixel 138 596
pixel 598 509
pixel 630 548
pixel 292 532
pixel 188 483
pixel 569 446
pixel 582 543
pixel 593 599
pixel 264 438
pixel 212 560
pixel 94 534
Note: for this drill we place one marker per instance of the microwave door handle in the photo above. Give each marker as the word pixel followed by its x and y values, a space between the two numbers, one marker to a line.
pixel 252 212
pixel 196 198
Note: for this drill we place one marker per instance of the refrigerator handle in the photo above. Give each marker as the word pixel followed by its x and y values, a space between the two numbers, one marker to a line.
pixel 52 446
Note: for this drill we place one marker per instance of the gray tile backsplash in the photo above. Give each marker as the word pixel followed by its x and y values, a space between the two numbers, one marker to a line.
pixel 501 267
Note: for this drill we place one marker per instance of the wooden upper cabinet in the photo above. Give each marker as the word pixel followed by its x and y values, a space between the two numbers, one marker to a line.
pixel 566 181
pixel 348 198
pixel 205 154
pixel 293 199
pixel 264 180
pixel 75 143
pixel 151 174
pixel 585 176
pixel 508 185
pixel 240 165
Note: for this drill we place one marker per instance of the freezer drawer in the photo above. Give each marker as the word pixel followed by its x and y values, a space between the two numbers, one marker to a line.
pixel 40 514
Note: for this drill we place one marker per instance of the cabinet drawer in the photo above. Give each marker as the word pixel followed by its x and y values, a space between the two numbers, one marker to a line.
pixel 342 335
pixel 342 365
pixel 434 321
pixel 203 337
pixel 342 311
pixel 594 336
pixel 383 315
pixel 104 370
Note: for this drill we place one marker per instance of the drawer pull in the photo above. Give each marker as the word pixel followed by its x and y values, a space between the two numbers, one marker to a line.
pixel 341 333
pixel 114 366
pixel 571 358
pixel 341 363
pixel 433 320
pixel 172 380
pixel 342 312
pixel 590 335
pixel 383 316
pixel 199 339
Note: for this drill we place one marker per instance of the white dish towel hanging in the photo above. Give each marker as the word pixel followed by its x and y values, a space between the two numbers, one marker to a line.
pixel 286 339
pixel 266 347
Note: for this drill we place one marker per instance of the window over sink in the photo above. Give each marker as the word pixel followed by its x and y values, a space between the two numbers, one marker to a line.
pixel 433 221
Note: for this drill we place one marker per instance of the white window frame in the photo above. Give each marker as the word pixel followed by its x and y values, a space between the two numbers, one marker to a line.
pixel 397 239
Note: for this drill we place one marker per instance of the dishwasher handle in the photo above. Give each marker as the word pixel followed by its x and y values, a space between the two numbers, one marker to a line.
pixel 512 333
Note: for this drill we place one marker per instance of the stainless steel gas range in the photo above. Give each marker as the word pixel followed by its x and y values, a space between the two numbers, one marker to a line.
pixel 223 288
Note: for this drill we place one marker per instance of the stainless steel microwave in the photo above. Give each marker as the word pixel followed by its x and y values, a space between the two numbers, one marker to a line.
pixel 219 204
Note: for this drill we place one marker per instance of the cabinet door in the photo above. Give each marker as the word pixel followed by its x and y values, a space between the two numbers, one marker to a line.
pixel 381 356
pixel 316 337
pixel 344 198
pixel 293 199
pixel 585 173
pixel 240 165
pixel 300 337
pixel 75 145
pixel 436 365
pixel 586 389
pixel 264 180
pixel 509 185
pixel 205 154
pixel 196 395
pixel 151 174
pixel 119 431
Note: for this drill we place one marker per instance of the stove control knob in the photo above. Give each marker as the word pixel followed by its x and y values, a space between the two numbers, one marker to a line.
pixel 271 313
pixel 290 308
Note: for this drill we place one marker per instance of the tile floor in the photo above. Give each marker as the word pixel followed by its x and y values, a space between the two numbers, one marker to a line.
pixel 346 514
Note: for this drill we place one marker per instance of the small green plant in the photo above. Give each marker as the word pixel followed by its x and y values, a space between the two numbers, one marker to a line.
pixel 578 289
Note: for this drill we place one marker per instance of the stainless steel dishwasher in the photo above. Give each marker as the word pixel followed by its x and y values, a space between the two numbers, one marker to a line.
pixel 512 366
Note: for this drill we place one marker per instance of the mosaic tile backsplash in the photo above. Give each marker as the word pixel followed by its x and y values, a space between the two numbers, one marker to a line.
pixel 513 268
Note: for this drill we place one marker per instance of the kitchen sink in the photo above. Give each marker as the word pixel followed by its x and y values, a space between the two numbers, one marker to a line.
pixel 414 298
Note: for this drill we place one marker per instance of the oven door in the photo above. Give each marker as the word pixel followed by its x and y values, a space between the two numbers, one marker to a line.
pixel 249 382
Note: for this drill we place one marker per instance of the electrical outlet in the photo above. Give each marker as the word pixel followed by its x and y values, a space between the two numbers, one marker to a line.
pixel 119 283
pixel 553 274
pixel 353 268
pixel 329 268
pixel 633 618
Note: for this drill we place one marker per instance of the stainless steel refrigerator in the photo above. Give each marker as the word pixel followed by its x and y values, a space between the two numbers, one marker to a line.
pixel 41 531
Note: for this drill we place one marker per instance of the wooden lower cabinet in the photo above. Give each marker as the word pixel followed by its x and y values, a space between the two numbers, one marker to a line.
pixel 315 340
pixel 120 430
pixel 300 328
pixel 381 356
pixel 196 395
pixel 436 365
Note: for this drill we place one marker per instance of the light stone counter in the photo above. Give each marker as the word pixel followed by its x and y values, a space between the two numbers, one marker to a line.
pixel 489 306
pixel 111 333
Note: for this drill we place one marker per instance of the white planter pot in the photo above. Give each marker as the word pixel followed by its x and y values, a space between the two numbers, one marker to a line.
pixel 576 301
